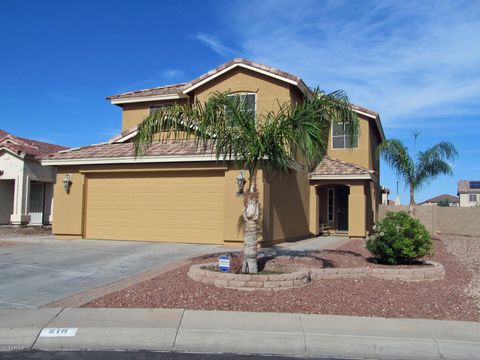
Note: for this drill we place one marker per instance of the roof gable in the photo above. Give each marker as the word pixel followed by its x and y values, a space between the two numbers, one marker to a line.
pixel 24 146
pixel 330 167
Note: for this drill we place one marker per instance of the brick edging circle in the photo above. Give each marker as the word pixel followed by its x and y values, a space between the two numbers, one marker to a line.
pixel 199 272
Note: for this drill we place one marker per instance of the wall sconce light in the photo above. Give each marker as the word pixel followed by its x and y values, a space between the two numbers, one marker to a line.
pixel 1 172
pixel 240 183
pixel 67 182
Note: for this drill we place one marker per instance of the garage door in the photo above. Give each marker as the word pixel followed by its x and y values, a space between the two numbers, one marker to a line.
pixel 176 207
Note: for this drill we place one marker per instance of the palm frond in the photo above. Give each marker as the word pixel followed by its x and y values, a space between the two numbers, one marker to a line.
pixel 396 155
pixel 226 126
pixel 433 162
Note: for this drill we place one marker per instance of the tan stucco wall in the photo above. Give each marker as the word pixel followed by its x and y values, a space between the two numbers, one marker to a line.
pixel 134 113
pixel 287 204
pixel 360 155
pixel 269 91
pixel 69 208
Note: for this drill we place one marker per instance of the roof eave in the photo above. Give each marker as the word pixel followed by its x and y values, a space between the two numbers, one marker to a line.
pixel 136 99
pixel 129 160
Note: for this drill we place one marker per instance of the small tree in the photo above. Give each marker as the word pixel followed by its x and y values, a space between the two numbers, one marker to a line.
pixel 419 168
pixel 228 127
pixel 443 203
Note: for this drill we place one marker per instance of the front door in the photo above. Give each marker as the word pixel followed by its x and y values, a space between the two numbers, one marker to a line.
pixel 37 190
pixel 342 208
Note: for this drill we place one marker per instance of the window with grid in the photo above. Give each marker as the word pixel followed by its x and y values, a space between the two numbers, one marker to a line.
pixel 250 99
pixel 341 137
pixel 154 108
pixel 472 197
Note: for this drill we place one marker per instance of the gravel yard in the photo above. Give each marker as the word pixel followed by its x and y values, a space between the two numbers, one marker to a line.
pixel 467 249
pixel 10 232
pixel 450 298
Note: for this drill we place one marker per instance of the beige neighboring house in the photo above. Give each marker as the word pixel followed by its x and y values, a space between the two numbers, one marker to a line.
pixel 26 187
pixel 469 193
pixel 177 193
pixel 453 201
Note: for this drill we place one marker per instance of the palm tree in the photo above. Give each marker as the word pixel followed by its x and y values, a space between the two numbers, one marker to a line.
pixel 422 167
pixel 227 126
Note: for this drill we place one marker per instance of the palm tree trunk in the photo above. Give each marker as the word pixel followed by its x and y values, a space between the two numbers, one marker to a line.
pixel 250 215
pixel 411 205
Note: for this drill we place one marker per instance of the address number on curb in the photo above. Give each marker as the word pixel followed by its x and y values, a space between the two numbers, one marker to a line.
pixel 58 332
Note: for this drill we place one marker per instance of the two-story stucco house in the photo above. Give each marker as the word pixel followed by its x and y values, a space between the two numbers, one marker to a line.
pixel 469 193
pixel 177 193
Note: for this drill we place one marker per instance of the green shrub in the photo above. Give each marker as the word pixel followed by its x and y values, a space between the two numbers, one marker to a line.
pixel 399 239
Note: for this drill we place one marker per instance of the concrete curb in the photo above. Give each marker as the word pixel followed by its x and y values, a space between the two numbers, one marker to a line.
pixel 178 330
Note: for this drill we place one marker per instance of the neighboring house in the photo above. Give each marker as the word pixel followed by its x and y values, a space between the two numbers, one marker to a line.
pixel 469 192
pixel 385 192
pixel 452 200
pixel 177 193
pixel 26 187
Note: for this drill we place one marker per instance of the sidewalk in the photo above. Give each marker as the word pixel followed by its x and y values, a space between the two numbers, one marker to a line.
pixel 238 332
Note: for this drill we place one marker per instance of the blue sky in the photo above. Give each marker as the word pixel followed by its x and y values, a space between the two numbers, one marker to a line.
pixel 416 63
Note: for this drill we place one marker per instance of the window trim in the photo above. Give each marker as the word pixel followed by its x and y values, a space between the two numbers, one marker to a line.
pixel 343 148
pixel 331 219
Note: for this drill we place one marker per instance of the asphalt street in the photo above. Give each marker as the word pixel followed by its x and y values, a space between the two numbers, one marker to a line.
pixel 137 355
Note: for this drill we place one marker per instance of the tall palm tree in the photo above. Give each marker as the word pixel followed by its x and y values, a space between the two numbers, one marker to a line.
pixel 228 127
pixel 418 169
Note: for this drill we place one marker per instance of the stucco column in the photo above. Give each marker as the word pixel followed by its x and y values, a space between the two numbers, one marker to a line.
pixel 313 211
pixel 20 202
pixel 357 211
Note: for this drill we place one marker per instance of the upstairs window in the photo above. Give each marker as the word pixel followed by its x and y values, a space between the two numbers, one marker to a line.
pixel 250 99
pixel 154 108
pixel 341 137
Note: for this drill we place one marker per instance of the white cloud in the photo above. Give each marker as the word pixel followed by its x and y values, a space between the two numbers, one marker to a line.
pixel 214 44
pixel 407 60
pixel 172 74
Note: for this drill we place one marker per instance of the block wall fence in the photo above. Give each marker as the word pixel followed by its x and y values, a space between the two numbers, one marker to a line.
pixel 443 220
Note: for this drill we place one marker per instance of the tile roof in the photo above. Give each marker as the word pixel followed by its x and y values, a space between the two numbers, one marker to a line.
pixel 175 89
pixel 243 61
pixel 451 199
pixel 331 166
pixel 26 146
pixel 126 150
pixel 464 187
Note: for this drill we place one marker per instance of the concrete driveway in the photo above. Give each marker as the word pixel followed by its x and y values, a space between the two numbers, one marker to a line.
pixel 40 270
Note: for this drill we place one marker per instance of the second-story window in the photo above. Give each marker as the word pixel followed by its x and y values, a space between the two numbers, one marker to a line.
pixel 341 137
pixel 154 108
pixel 250 99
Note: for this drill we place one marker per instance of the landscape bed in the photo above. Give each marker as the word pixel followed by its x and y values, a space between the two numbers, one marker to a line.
pixel 454 297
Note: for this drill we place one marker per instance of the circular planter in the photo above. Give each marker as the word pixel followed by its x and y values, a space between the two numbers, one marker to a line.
pixel 199 272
